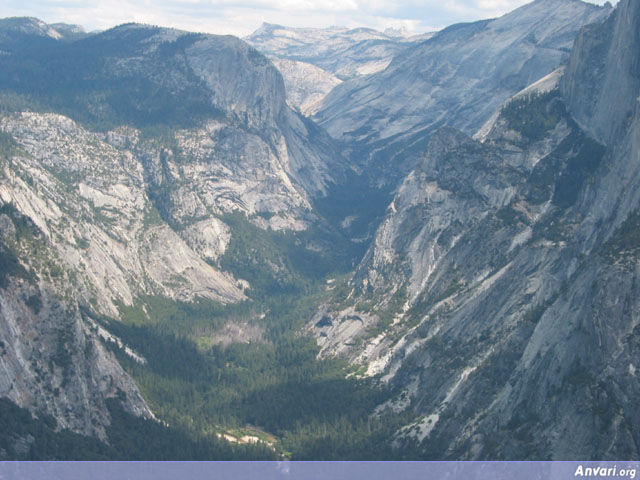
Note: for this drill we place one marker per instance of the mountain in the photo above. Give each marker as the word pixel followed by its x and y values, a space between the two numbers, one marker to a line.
pixel 306 84
pixel 314 60
pixel 343 52
pixel 146 76
pixel 15 30
pixel 135 183
pixel 499 294
pixel 175 282
pixel 53 358
pixel 459 77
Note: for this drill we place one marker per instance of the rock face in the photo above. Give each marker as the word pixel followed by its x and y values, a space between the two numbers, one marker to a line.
pixel 150 76
pixel 500 293
pixel 314 60
pixel 345 53
pixel 598 86
pixel 458 77
pixel 54 362
pixel 306 84
pixel 90 201
pixel 122 194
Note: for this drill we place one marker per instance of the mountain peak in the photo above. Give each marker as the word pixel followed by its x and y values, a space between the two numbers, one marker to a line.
pixel 396 31
pixel 564 3
pixel 29 26
pixel 265 29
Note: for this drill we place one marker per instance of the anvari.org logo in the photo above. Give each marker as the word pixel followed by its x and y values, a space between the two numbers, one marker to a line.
pixel 605 472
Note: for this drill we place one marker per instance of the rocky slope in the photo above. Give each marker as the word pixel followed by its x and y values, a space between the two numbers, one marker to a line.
pixel 15 30
pixel 343 52
pixel 150 77
pixel 306 84
pixel 158 134
pixel 458 77
pixel 52 354
pixel 90 201
pixel 500 293
pixel 55 362
pixel 314 60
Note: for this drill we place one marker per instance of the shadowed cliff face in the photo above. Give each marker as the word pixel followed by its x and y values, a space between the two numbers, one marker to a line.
pixel 500 293
pixel 603 75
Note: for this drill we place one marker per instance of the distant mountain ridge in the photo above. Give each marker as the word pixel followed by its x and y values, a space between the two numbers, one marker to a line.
pixel 12 28
pixel 303 54
pixel 458 77
pixel 344 52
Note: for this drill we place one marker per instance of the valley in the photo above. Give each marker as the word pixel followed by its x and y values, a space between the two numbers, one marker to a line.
pixel 322 244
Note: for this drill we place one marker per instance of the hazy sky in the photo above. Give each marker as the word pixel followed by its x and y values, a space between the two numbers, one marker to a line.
pixel 241 17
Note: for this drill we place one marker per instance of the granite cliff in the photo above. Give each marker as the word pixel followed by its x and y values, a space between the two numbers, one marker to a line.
pixel 499 294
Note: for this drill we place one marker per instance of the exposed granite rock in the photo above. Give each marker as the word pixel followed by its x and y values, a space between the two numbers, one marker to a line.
pixel 603 75
pixel 306 84
pixel 343 52
pixel 52 362
pixel 90 201
pixel 505 278
pixel 125 195
pixel 459 78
